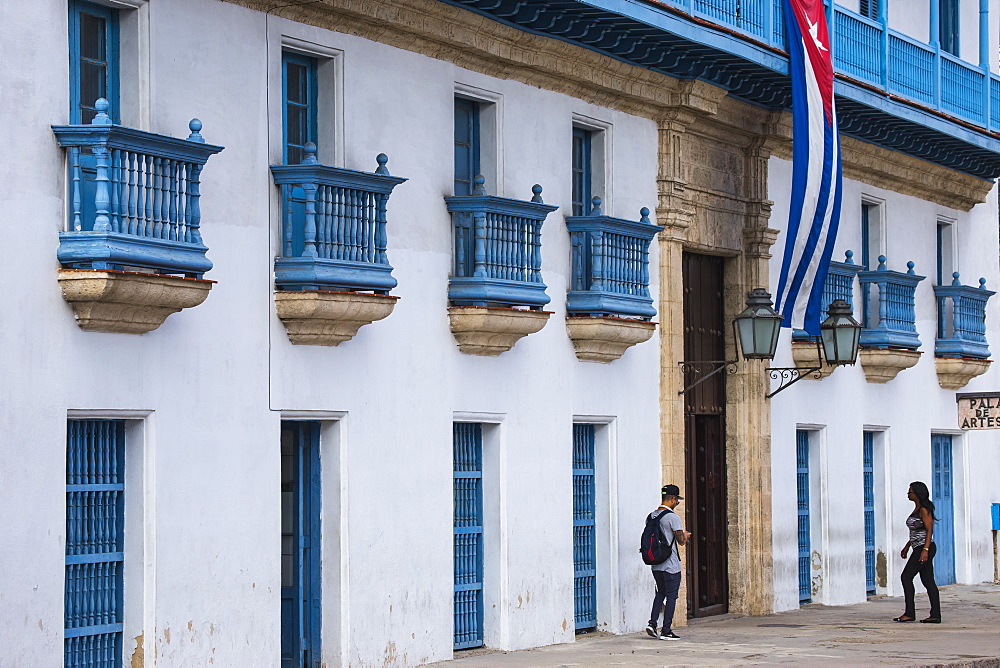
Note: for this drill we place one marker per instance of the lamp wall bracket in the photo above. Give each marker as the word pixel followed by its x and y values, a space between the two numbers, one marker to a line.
pixel 707 367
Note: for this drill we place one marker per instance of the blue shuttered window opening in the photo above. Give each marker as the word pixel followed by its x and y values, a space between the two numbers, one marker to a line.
pixel 584 528
pixel 582 170
pixel 95 526
pixel 466 145
pixel 949 22
pixel 301 501
pixel 93 60
pixel 868 473
pixel 942 493
pixel 468 523
pixel 802 489
pixel 299 87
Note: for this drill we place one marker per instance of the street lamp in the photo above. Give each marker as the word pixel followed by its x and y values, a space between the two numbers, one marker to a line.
pixel 840 334
pixel 758 326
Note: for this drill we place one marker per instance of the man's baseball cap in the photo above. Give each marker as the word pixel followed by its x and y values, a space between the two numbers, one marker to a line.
pixel 671 490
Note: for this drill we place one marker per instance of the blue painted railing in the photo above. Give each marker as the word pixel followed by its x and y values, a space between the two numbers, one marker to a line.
pixel 498 249
pixel 839 285
pixel 610 265
pixel 893 323
pixel 962 319
pixel 866 50
pixel 333 226
pixel 134 198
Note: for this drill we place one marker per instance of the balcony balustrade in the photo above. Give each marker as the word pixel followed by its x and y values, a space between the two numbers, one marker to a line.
pixel 839 285
pixel 333 227
pixel 610 265
pixel 961 316
pixel 888 313
pixel 134 198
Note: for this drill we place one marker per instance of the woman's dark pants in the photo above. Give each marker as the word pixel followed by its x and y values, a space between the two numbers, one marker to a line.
pixel 667 586
pixel 926 571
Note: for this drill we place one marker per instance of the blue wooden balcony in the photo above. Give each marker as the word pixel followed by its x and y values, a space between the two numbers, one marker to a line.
pixel 333 227
pixel 961 319
pixel 498 249
pixel 892 90
pixel 893 323
pixel 134 198
pixel 610 265
pixel 839 285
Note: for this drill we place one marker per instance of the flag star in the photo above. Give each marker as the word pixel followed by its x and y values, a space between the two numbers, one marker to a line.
pixel 814 33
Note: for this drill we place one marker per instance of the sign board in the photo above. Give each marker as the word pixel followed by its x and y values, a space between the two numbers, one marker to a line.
pixel 979 410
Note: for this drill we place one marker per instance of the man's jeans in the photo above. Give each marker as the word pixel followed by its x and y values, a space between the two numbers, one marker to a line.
pixel 667 586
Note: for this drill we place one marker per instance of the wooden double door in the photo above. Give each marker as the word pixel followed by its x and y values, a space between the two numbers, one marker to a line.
pixel 707 566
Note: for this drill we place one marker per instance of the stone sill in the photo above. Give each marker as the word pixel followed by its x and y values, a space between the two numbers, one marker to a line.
pixel 605 339
pixel 955 372
pixel 127 302
pixel 882 365
pixel 328 318
pixel 807 354
pixel 488 330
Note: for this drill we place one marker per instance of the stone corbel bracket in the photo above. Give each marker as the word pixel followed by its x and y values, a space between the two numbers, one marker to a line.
pixel 482 330
pixel 126 302
pixel 806 354
pixel 605 339
pixel 882 365
pixel 328 318
pixel 956 372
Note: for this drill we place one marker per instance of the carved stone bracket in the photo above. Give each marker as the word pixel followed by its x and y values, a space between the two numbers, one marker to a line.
pixel 491 330
pixel 606 339
pixel 326 318
pixel 128 302
pixel 807 354
pixel 881 366
pixel 956 372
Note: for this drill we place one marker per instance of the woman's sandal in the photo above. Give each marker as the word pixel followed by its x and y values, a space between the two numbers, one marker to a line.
pixel 904 618
pixel 931 620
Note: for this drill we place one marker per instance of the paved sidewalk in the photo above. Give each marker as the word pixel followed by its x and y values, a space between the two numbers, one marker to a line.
pixel 862 634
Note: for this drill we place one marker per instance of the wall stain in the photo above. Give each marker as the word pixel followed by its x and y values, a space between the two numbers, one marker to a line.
pixel 817 578
pixel 564 625
pixel 40 627
pixel 391 657
pixel 881 570
pixel 166 635
pixel 138 659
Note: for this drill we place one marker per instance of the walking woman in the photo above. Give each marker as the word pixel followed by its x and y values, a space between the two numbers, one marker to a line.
pixel 920 524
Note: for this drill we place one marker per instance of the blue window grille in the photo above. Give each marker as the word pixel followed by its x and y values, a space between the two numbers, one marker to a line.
pixel 299 89
pixel 334 226
pixel 868 473
pixel 893 323
pixel 584 528
pixel 582 174
pixel 498 249
pixel 839 285
pixel 610 258
pixel 961 312
pixel 948 23
pixel 802 490
pixel 942 492
pixel 466 145
pixel 468 496
pixel 300 545
pixel 93 60
pixel 95 527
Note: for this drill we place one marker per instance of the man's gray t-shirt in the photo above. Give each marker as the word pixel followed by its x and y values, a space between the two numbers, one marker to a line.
pixel 669 523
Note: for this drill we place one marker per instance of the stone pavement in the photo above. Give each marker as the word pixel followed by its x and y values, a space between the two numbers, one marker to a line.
pixel 815 635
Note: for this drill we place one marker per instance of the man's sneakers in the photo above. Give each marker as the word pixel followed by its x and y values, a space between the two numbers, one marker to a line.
pixel 668 635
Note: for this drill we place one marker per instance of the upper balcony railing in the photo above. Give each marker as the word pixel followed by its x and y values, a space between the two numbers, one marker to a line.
pixel 333 227
pixel 610 265
pixel 134 198
pixel 839 285
pixel 888 313
pixel 962 319
pixel 498 249
pixel 868 51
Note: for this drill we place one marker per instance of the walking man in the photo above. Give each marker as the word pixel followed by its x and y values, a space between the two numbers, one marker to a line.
pixel 667 574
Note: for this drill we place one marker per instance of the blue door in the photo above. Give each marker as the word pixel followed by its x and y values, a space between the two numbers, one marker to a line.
pixel 468 491
pixel 584 543
pixel 95 526
pixel 944 508
pixel 868 471
pixel 300 545
pixel 802 489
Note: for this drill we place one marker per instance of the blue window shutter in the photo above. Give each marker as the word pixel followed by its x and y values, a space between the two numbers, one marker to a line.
pixel 868 473
pixel 802 489
pixel 466 145
pixel 948 22
pixel 95 526
pixel 301 500
pixel 584 528
pixel 299 93
pixel 582 166
pixel 865 236
pixel 942 491
pixel 468 498
pixel 93 60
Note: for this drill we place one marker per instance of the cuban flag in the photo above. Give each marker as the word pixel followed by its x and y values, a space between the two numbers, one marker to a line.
pixel 814 211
